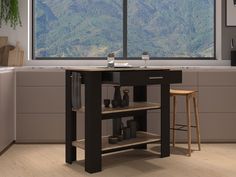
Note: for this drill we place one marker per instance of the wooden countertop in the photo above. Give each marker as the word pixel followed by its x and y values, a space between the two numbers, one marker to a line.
pixel 102 68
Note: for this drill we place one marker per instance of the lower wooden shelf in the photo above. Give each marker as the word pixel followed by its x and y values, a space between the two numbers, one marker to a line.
pixel 142 138
pixel 133 106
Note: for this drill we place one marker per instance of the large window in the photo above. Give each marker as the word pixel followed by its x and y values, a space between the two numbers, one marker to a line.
pixel 90 29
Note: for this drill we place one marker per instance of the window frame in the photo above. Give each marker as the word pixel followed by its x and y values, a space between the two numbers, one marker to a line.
pixel 125 42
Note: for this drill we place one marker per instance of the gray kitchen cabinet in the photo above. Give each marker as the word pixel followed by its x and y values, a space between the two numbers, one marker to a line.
pixel 7 108
pixel 40 108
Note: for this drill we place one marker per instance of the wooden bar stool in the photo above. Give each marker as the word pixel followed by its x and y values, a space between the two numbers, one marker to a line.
pixel 182 127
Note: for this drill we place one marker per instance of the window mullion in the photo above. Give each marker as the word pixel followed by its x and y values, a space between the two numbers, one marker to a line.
pixel 125 26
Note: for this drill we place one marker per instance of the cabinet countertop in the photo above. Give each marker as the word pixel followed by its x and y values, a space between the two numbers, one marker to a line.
pixel 4 69
pixel 99 68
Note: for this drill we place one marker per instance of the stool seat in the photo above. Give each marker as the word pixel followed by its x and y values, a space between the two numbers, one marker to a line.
pixel 186 127
pixel 181 92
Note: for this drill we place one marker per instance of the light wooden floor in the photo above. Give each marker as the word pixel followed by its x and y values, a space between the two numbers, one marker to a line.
pixel 215 160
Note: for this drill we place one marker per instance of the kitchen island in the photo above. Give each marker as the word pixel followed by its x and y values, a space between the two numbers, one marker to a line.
pixel 139 78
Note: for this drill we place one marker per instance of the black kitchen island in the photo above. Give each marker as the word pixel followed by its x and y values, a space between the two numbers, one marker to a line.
pixel 93 78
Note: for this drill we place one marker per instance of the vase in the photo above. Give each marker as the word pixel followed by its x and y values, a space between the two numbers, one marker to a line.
pixel 126 97
pixel 132 124
pixel 117 95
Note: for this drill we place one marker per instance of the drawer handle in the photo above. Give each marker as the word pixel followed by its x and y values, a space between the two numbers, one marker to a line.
pixel 156 78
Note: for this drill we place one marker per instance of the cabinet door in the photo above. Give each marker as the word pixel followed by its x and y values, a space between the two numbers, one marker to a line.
pixel 7 109
pixel 40 107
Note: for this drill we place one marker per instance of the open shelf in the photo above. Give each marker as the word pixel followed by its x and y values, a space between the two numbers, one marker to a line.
pixel 133 106
pixel 142 138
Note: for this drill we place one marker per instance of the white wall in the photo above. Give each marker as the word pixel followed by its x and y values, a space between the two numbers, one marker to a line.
pixel 228 33
pixel 22 34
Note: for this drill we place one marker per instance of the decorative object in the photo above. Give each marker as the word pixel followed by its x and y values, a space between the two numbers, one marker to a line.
pixel 120 137
pixel 126 133
pixel 117 124
pixel 16 56
pixel 132 124
pixel 9 13
pixel 111 60
pixel 10 55
pixel 113 139
pixel 145 57
pixel 126 97
pixel 5 53
pixel 230 13
pixel 114 104
pixel 3 41
pixel 123 103
pixel 106 102
pixel 117 95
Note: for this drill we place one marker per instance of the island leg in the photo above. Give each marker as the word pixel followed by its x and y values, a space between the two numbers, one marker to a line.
pixel 93 121
pixel 165 120
pixel 70 121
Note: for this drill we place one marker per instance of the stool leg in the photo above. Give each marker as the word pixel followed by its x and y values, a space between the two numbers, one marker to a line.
pixel 188 123
pixel 197 121
pixel 174 115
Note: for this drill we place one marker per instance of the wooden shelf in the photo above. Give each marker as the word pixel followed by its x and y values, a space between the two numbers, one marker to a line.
pixel 133 106
pixel 142 138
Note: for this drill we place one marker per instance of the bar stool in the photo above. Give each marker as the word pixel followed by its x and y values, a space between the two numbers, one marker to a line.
pixel 182 127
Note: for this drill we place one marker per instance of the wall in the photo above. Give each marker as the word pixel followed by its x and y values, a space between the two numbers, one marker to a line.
pixel 20 33
pixel 222 33
pixel 227 34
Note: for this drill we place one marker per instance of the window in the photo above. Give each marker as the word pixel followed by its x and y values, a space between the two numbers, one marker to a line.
pixel 90 29
pixel 78 28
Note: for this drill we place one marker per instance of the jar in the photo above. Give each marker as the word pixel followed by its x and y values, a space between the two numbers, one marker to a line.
pixel 111 60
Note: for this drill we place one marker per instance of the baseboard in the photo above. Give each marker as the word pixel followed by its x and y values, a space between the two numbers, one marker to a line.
pixel 6 148
pixel 40 142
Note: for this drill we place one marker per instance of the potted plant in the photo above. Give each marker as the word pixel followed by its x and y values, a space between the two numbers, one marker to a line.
pixel 9 13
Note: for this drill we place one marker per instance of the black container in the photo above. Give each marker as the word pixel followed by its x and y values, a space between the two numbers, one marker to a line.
pixel 132 124
pixel 106 103
pixel 115 103
pixel 123 103
pixel 126 133
pixel 126 97
pixel 112 139
pixel 117 95
pixel 117 124
pixel 120 137
pixel 233 58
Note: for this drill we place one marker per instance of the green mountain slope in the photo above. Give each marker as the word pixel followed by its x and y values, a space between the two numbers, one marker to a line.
pixel 93 28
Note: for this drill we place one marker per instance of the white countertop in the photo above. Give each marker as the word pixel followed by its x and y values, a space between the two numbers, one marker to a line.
pixel 62 68
pixel 6 69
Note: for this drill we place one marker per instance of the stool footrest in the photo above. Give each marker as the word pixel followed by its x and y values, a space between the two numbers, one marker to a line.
pixel 184 125
pixel 180 129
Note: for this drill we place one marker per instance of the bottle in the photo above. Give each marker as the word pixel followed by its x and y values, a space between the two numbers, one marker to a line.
pixel 117 95
pixel 111 60
pixel 126 97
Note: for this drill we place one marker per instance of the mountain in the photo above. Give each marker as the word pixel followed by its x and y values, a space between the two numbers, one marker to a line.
pixel 94 28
